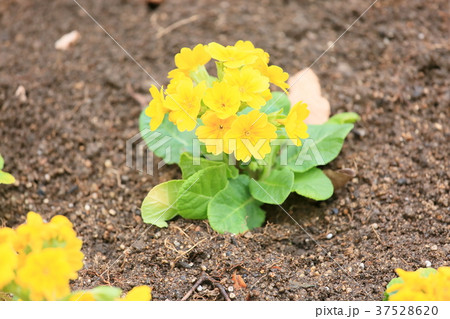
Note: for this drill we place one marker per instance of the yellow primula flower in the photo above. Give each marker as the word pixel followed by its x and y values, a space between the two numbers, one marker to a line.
pixel 223 98
pixel 250 135
pixel 31 235
pixel 277 76
pixel 8 263
pixel 156 109
pixel 185 104
pixel 415 287
pixel 65 236
pixel 140 293
pixel 176 74
pixel 252 85
pixel 213 130
pixel 274 73
pixel 173 84
pixel 294 123
pixel 188 60
pixel 46 274
pixel 248 47
pixel 231 56
pixel 7 235
pixel 267 95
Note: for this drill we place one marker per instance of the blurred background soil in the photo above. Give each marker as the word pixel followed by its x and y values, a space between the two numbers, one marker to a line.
pixel 64 141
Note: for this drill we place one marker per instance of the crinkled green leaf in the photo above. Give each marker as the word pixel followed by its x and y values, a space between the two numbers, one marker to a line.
pixel 159 205
pixel 313 184
pixel 279 101
pixel 323 145
pixel 199 189
pixel 6 178
pixel 105 293
pixel 392 282
pixel 343 118
pixel 166 142
pixel 234 210
pixel 275 188
pixel 189 166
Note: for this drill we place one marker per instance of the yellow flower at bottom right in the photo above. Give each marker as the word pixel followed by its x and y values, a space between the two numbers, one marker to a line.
pixel 415 287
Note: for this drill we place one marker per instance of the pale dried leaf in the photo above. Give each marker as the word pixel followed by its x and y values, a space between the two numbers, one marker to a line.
pixel 305 86
pixel 340 177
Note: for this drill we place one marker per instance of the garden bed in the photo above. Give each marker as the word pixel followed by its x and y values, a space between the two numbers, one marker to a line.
pixel 65 143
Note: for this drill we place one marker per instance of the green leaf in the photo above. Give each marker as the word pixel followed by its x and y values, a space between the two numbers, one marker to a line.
pixel 199 189
pixel 425 272
pixel 159 205
pixel 234 210
pixel 166 142
pixel 323 145
pixel 279 101
pixel 105 293
pixel 343 118
pixel 313 184
pixel 275 188
pixel 189 166
pixel 2 162
pixel 392 282
pixel 6 178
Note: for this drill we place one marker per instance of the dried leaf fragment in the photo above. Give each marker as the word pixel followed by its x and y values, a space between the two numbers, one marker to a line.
pixel 305 86
pixel 238 282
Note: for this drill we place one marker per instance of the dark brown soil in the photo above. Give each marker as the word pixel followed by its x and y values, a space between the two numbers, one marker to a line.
pixel 66 143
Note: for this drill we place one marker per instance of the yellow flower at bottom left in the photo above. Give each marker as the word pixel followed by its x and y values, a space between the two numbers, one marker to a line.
pixel 8 264
pixel 46 274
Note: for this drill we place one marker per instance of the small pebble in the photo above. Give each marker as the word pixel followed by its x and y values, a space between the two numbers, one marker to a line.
pixel 203 268
pixel 46 201
pixel 427 263
pixel 329 236
pixel 232 296
pixel 199 288
pixel 434 247
pixel 112 212
pixel 87 207
pixel 122 246
pixel 362 266
pixel 230 289
pixel 108 163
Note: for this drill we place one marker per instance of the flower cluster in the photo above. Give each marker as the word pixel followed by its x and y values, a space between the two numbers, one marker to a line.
pixel 420 285
pixel 228 104
pixel 39 259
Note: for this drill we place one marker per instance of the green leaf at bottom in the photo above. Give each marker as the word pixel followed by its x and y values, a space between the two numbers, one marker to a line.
pixel 275 188
pixel 234 210
pixel 159 205
pixel 6 178
pixel 199 189
pixel 313 184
